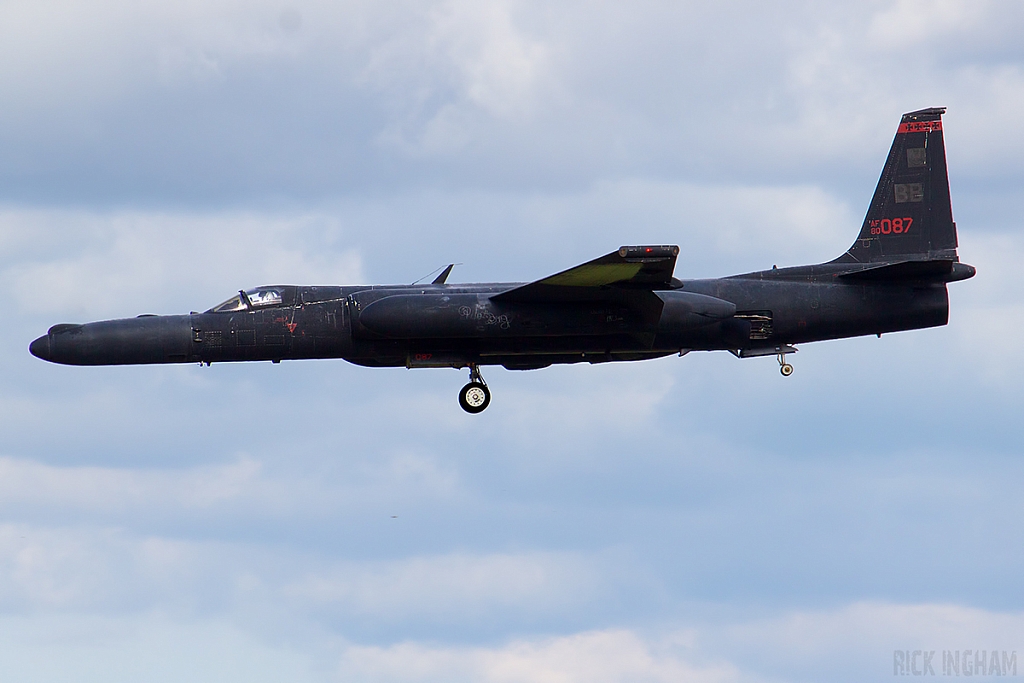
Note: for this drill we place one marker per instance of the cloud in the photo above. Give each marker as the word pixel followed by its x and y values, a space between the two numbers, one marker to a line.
pixel 149 646
pixel 452 588
pixel 145 496
pixel 985 316
pixel 56 569
pixel 476 55
pixel 27 484
pixel 857 641
pixel 107 571
pixel 93 264
pixel 117 264
pixel 906 23
pixel 697 518
pixel 849 643
pixel 219 103
pixel 592 657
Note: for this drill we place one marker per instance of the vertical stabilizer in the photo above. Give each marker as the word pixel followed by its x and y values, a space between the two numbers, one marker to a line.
pixel 910 217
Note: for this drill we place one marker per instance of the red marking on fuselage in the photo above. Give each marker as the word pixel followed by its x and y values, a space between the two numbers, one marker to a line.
pixel 919 126
pixel 291 327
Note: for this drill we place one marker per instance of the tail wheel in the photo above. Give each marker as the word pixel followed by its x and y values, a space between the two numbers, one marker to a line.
pixel 474 397
pixel 786 369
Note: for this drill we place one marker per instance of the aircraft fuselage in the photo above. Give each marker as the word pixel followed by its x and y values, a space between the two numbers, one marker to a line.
pixel 458 325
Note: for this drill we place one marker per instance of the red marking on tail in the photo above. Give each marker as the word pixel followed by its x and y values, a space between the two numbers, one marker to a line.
pixel 919 126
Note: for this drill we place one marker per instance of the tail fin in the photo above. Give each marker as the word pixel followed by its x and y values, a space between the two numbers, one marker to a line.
pixel 910 217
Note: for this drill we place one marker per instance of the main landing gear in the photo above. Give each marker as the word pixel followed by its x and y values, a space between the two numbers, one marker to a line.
pixel 785 368
pixel 475 396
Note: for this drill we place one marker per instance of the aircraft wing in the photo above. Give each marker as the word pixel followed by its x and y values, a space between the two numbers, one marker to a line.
pixel 611 277
pixel 625 277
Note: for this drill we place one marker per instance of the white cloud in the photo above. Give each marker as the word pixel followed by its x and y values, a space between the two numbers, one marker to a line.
pixel 152 647
pixel 452 588
pixel 150 528
pixel 850 643
pixel 471 55
pixel 27 484
pixel 219 100
pixel 118 264
pixel 242 488
pixel 907 23
pixel 54 569
pixel 854 642
pixel 857 641
pixel 985 319
pixel 108 571
pixel 614 656
pixel 93 264
pixel 96 54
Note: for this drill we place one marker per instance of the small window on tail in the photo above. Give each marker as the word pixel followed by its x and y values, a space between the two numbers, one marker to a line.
pixel 917 157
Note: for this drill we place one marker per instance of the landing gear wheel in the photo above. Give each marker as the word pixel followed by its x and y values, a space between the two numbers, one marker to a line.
pixel 474 397
pixel 785 368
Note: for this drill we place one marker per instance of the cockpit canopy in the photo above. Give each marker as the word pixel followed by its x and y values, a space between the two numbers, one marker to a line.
pixel 257 297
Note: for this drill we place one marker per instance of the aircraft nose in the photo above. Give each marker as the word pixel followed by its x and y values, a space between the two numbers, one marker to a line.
pixel 40 348
pixel 130 341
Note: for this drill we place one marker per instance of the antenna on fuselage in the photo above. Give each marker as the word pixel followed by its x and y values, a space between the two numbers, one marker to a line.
pixel 442 278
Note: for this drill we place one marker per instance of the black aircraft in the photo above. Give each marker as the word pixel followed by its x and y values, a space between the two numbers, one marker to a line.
pixel 623 306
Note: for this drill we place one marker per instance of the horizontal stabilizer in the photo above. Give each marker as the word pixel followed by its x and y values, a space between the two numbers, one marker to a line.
pixel 943 270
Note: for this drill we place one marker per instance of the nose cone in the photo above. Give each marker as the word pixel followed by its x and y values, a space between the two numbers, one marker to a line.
pixel 40 348
pixel 133 341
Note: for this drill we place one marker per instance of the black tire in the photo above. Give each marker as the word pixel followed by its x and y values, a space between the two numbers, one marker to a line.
pixel 786 370
pixel 474 397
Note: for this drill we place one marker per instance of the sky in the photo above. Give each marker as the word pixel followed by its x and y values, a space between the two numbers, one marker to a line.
pixel 684 519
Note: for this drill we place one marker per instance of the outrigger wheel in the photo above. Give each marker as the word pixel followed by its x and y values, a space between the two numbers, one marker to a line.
pixel 785 368
pixel 475 396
